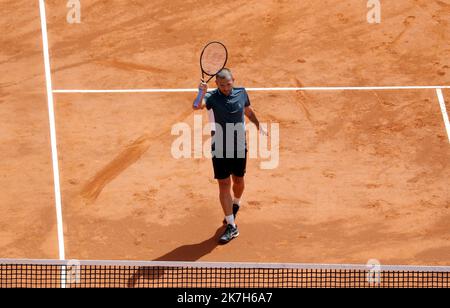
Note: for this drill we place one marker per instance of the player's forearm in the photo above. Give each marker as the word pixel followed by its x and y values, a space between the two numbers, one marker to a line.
pixel 200 104
pixel 252 117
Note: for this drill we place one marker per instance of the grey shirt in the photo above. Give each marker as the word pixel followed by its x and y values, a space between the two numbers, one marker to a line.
pixel 229 118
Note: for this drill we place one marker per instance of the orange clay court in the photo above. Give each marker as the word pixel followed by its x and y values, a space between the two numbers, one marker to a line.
pixel 363 173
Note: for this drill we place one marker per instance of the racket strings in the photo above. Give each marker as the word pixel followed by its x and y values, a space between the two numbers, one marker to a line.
pixel 213 59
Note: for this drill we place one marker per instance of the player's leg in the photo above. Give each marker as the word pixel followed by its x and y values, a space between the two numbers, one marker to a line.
pixel 222 172
pixel 231 231
pixel 222 175
pixel 239 169
pixel 225 196
pixel 238 187
pixel 238 191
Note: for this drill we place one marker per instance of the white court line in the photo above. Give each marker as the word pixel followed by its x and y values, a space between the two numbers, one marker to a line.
pixel 444 111
pixel 51 113
pixel 257 89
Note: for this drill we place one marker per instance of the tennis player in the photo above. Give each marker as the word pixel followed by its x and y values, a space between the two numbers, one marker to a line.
pixel 226 107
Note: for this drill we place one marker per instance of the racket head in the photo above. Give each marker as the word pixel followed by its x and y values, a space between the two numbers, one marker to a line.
pixel 213 59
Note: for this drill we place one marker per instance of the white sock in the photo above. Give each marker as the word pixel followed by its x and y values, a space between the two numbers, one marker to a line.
pixel 230 220
pixel 237 201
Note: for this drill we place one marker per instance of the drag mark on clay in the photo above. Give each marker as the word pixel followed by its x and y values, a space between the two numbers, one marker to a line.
pixel 407 26
pixel 301 100
pixel 125 159
pixel 130 66
pixel 133 152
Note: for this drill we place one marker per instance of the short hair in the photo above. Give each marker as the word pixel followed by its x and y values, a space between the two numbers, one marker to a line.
pixel 225 73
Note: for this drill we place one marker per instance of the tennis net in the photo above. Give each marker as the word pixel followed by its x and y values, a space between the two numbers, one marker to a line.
pixel 130 274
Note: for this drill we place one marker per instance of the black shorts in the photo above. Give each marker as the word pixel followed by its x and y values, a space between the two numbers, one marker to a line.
pixel 224 167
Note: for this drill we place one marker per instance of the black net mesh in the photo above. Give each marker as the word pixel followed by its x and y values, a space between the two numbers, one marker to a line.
pixel 126 276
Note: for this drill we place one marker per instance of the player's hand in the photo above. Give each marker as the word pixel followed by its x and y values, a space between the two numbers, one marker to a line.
pixel 203 87
pixel 263 132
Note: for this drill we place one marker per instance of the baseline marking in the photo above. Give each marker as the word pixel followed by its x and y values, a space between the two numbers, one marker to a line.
pixel 258 89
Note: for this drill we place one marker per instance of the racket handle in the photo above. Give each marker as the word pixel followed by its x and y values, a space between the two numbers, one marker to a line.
pixel 199 98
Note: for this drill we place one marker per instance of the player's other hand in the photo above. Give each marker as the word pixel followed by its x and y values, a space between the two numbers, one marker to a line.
pixel 263 132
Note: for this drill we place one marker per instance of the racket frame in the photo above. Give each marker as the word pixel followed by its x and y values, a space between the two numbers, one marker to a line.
pixel 200 93
pixel 223 66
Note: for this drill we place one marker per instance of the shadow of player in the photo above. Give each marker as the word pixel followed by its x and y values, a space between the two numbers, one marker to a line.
pixel 186 253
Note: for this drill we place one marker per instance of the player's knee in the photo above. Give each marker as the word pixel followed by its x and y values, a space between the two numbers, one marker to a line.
pixel 224 184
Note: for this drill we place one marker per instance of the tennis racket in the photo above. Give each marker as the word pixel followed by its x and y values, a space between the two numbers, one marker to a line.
pixel 213 59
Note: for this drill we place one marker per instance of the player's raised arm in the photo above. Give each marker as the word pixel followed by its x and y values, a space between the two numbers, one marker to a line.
pixel 198 102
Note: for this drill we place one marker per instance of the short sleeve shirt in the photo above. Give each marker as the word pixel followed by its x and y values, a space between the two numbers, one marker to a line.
pixel 228 116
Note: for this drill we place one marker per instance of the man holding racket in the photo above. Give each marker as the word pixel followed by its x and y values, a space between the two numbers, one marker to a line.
pixel 226 107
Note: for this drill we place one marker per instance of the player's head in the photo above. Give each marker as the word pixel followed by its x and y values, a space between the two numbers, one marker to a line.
pixel 225 81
